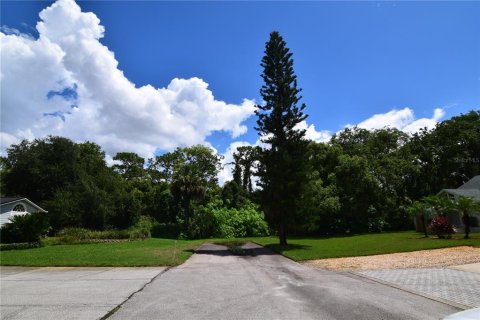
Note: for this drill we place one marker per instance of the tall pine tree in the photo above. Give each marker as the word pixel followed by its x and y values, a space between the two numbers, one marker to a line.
pixel 283 166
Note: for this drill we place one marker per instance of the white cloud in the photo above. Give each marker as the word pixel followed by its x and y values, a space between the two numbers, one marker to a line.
pixel 75 89
pixel 421 123
pixel 8 30
pixel 312 134
pixel 403 119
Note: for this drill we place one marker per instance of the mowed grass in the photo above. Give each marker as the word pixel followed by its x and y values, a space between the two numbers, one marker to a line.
pixel 167 252
pixel 304 248
pixel 149 252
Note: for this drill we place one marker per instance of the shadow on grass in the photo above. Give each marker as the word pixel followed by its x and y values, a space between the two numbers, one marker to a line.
pixel 289 247
pixel 346 235
pixel 243 251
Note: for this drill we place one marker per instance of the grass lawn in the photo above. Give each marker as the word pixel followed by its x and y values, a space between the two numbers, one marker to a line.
pixel 150 252
pixel 167 252
pixel 305 248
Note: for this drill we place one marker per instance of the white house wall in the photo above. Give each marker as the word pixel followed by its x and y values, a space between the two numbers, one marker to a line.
pixel 6 210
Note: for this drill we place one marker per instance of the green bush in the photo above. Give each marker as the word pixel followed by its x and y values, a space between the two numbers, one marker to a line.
pixel 25 228
pixel 19 246
pixel 224 222
pixel 142 229
pixel 79 235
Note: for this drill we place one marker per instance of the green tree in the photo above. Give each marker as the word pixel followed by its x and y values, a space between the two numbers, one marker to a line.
pixel 130 165
pixel 465 206
pixel 420 208
pixel 320 206
pixel 358 193
pixel 37 169
pixel 283 163
pixel 187 187
pixel 196 160
pixel 72 181
pixel 447 156
pixel 234 195
pixel 440 205
pixel 191 173
pixel 244 160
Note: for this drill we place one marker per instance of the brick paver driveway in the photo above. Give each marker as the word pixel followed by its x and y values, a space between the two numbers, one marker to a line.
pixel 460 287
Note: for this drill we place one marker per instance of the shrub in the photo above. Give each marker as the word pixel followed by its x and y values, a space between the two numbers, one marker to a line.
pixel 377 224
pixel 142 229
pixel 237 223
pixel 19 246
pixel 79 235
pixel 441 227
pixel 25 228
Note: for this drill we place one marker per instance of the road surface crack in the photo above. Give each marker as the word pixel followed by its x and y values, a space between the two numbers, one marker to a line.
pixel 111 312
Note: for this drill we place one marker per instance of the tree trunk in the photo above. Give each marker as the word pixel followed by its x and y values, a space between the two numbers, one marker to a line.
pixel 424 224
pixel 186 223
pixel 282 234
pixel 466 221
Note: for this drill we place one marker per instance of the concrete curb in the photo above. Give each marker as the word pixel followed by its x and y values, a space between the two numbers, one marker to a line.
pixel 425 295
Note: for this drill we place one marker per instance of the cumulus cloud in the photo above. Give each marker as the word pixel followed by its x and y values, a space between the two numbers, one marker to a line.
pixel 403 119
pixel 68 83
pixel 7 30
pixel 428 123
pixel 312 134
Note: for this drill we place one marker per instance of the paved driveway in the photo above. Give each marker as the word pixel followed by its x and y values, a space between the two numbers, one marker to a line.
pixel 213 284
pixel 458 286
pixel 67 293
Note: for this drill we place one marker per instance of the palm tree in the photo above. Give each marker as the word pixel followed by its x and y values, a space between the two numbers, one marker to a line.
pixel 441 205
pixel 465 206
pixel 419 207
pixel 188 187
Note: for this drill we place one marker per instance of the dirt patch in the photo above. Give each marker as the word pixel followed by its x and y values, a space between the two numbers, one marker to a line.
pixel 416 259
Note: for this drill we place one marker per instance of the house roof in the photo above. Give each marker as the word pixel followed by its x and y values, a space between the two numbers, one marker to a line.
pixel 470 193
pixel 6 200
pixel 473 183
pixel 470 189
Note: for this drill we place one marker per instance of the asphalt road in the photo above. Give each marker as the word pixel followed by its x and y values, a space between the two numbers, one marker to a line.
pixel 213 284
pixel 67 293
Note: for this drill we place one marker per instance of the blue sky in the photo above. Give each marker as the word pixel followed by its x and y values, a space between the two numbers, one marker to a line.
pixel 353 59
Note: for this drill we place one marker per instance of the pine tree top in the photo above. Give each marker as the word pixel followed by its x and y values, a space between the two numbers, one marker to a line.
pixel 280 113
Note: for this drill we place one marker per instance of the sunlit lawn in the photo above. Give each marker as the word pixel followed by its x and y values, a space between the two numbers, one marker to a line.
pixel 150 252
pixel 305 248
pixel 167 252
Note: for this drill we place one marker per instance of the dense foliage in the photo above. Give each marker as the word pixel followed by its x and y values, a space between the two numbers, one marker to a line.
pixel 367 180
pixel 25 228
pixel 360 181
pixel 173 195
